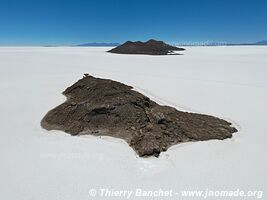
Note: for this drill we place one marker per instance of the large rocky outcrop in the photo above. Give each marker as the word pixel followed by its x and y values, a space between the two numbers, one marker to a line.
pixel 104 107
pixel 151 47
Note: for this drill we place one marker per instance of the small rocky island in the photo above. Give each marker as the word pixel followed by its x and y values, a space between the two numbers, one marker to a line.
pixel 104 107
pixel 151 47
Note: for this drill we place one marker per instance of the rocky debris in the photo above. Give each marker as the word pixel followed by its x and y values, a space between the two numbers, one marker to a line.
pixel 105 107
pixel 151 47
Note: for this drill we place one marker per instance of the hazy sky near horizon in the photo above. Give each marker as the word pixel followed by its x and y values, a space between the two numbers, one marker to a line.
pixel 66 22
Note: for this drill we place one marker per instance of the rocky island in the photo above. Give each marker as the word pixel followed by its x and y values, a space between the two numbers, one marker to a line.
pixel 104 107
pixel 151 47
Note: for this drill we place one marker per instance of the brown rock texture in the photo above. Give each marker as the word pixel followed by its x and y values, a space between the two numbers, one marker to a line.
pixel 105 107
pixel 151 47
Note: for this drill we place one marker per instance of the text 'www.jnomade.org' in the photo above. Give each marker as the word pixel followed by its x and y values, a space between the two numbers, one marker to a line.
pixel 205 194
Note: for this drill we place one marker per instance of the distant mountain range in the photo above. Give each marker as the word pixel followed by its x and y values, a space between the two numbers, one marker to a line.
pixel 262 42
pixel 103 44
pixel 96 44
pixel 259 43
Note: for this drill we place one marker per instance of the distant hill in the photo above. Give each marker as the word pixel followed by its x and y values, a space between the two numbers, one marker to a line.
pixel 150 47
pixel 96 44
pixel 262 42
pixel 49 45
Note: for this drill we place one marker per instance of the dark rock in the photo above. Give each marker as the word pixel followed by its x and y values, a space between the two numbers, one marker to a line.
pixel 151 47
pixel 105 107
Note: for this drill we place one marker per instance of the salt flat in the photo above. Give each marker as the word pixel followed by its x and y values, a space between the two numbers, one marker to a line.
pixel 228 82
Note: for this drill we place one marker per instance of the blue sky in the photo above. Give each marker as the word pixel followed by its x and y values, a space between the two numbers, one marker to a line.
pixel 58 22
